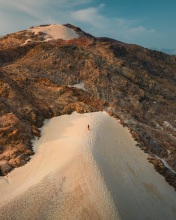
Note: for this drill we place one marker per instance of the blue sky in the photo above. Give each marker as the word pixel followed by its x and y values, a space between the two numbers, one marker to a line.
pixel 147 23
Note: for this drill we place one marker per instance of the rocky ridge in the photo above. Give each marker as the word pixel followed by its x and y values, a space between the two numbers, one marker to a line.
pixel 132 83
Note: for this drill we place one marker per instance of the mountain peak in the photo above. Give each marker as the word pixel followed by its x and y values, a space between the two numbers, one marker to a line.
pixel 55 31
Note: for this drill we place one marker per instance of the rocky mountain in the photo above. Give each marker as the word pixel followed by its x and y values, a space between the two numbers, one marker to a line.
pixel 40 76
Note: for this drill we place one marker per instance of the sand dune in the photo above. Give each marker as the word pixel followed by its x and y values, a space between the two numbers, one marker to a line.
pixel 78 173
pixel 55 31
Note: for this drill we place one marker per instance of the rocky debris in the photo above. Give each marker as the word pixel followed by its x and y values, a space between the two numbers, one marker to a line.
pixel 5 168
pixel 160 168
pixel 132 83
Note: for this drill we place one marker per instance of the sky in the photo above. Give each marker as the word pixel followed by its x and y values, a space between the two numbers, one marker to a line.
pixel 149 23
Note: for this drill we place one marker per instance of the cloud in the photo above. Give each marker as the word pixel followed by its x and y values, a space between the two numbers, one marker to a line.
pixel 140 29
pixel 113 26
pixel 31 7
pixel 90 16
pixel 37 4
pixel 71 3
pixel 21 14
pixel 102 5
pixel 37 8
pixel 24 13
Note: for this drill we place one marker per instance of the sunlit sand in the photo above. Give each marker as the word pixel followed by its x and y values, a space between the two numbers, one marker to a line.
pixel 77 173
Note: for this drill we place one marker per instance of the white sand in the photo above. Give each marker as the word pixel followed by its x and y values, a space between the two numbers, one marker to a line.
pixel 26 42
pixel 82 174
pixel 79 86
pixel 55 31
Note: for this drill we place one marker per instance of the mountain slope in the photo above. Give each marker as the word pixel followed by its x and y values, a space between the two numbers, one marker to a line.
pixel 132 83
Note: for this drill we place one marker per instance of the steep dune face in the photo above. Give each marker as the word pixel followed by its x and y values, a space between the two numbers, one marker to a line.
pixel 137 190
pixel 62 173
pixel 77 173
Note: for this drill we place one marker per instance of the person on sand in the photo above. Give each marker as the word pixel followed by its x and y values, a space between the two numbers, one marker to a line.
pixel 88 127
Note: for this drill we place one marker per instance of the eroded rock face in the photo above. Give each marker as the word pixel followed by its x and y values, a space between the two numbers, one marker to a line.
pixel 134 84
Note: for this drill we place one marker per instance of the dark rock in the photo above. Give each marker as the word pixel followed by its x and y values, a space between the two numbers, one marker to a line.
pixel 5 168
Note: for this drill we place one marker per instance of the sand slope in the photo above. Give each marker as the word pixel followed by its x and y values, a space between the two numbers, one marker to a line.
pixel 82 174
pixel 55 31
